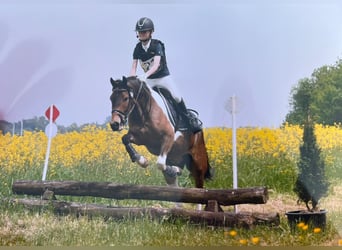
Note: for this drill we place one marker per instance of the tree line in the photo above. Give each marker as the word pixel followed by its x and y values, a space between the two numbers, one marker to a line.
pixel 322 91
pixel 39 124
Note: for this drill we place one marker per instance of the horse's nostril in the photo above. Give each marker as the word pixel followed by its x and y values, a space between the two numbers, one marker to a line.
pixel 115 126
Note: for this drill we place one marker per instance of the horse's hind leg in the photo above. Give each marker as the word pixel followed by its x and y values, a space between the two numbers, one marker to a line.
pixel 170 175
pixel 198 174
pixel 171 180
pixel 199 163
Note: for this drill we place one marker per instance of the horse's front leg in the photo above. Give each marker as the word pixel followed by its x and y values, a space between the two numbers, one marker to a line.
pixel 127 140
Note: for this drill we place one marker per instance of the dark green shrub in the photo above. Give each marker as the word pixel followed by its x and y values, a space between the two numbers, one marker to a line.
pixel 311 184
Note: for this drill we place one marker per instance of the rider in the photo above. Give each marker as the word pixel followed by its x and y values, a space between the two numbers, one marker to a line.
pixel 151 55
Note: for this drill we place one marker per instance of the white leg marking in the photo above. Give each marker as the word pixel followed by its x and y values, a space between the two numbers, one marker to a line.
pixel 177 134
pixel 143 161
pixel 161 161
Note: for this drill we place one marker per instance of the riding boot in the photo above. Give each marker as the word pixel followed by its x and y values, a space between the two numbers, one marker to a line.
pixel 188 118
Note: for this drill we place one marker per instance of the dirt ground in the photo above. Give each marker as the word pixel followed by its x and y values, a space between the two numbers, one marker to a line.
pixel 283 203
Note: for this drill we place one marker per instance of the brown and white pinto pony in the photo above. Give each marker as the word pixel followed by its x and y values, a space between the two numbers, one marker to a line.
pixel 148 124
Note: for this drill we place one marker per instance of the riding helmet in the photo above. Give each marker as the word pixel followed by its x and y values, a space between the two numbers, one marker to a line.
pixel 144 24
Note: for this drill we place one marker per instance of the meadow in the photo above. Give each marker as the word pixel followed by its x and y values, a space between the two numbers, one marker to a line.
pixel 266 157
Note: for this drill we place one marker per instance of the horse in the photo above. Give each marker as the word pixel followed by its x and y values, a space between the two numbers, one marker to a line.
pixel 135 104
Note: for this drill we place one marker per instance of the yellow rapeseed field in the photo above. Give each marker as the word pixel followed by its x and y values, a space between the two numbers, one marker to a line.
pixel 95 145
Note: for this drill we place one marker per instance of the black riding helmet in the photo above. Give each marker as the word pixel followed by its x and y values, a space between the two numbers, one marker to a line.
pixel 144 24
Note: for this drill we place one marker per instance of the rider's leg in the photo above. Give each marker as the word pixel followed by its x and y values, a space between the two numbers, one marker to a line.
pixel 189 118
pixel 194 123
pixel 167 83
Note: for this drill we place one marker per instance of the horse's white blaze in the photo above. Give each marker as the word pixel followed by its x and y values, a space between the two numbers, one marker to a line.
pixel 161 161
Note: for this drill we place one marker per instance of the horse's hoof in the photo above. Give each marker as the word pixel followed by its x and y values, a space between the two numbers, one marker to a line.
pixel 143 162
pixel 172 171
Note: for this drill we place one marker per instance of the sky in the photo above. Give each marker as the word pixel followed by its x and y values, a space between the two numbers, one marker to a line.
pixel 64 53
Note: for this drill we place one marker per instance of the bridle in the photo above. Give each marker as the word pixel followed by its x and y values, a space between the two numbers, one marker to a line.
pixel 124 115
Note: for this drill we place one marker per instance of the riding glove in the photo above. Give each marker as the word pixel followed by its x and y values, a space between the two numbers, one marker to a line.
pixel 142 77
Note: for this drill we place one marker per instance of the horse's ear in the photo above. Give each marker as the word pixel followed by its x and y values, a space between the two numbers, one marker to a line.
pixel 114 83
pixel 124 80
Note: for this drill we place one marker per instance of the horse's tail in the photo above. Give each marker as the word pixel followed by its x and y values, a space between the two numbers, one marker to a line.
pixel 210 173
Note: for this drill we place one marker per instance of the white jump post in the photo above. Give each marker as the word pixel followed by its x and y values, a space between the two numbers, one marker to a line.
pixel 51 130
pixel 231 107
pixel 21 127
pixel 48 145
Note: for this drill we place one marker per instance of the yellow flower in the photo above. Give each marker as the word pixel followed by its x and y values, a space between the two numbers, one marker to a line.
pixel 147 173
pixel 317 230
pixel 300 224
pixel 255 240
pixel 243 242
pixel 340 242
pixel 233 233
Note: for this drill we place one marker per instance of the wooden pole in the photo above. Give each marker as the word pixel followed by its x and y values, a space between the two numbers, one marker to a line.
pixel 225 197
pixel 226 219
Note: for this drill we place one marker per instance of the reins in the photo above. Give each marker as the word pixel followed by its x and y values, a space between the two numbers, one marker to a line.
pixel 135 99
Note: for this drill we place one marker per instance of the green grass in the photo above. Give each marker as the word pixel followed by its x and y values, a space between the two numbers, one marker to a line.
pixel 22 227
pixel 19 226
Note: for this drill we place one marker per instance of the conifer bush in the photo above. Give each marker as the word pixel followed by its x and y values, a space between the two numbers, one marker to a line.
pixel 311 184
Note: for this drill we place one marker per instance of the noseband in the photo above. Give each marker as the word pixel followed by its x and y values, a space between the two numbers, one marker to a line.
pixel 124 115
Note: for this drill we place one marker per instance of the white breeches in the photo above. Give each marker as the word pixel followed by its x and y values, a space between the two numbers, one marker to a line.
pixel 167 83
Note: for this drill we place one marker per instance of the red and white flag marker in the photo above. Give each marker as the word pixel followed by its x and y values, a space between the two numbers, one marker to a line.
pixel 52 114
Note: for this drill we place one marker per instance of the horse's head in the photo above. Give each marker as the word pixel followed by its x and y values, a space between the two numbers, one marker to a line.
pixel 121 103
pixel 128 93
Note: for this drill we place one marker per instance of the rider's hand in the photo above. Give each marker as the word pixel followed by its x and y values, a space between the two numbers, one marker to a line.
pixel 142 77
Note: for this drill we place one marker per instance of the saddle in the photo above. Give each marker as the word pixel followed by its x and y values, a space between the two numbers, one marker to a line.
pixel 180 121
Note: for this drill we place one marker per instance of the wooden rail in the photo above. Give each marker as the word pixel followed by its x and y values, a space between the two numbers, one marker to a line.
pixel 225 219
pixel 225 197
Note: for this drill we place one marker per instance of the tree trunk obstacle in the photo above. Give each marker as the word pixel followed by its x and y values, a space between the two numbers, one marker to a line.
pixel 225 197
pixel 222 219
pixel 213 198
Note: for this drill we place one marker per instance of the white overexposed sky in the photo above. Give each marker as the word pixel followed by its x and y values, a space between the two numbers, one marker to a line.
pixel 64 52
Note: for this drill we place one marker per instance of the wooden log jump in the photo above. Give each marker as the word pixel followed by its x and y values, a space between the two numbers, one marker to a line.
pixel 225 197
pixel 226 219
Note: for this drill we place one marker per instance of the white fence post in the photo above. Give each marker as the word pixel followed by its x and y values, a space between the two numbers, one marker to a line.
pixel 231 107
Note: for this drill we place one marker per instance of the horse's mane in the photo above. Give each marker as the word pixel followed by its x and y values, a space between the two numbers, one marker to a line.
pixel 135 82
pixel 142 92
